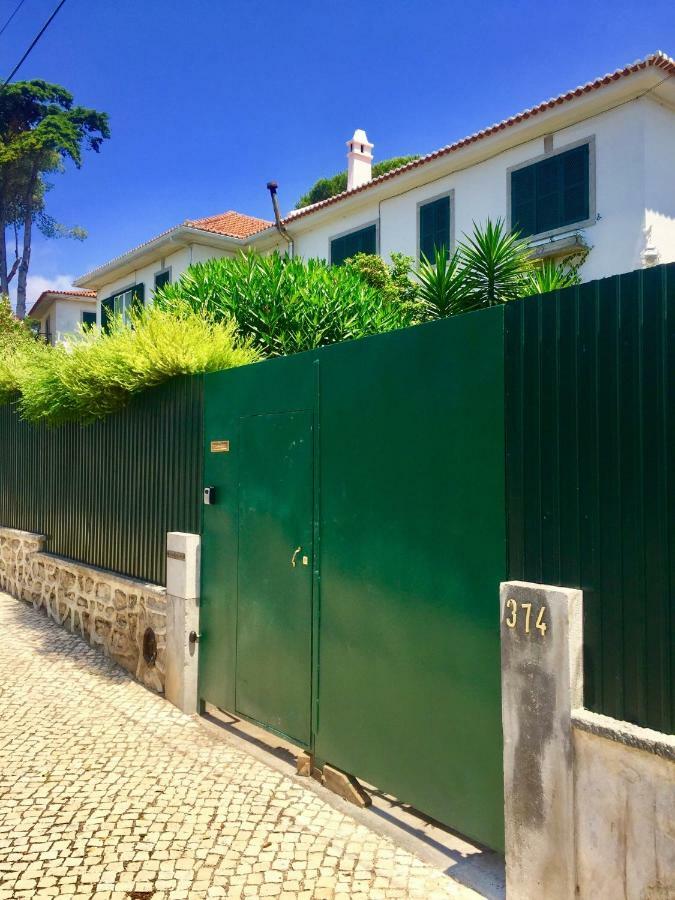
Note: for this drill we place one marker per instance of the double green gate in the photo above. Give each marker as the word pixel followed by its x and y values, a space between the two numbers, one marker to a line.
pixel 352 558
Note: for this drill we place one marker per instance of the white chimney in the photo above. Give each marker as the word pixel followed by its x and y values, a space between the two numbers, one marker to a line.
pixel 359 160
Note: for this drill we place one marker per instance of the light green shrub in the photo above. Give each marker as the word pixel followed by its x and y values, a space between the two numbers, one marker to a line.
pixel 16 340
pixel 94 374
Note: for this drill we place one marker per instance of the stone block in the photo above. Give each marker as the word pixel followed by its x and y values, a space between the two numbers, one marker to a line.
pixel 541 653
pixel 182 564
pixel 182 655
pixel 345 786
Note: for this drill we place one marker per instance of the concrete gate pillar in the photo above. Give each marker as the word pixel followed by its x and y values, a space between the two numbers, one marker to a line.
pixel 182 626
pixel 542 682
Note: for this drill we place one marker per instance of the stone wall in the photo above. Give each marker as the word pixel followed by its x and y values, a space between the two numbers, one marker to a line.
pixel 110 611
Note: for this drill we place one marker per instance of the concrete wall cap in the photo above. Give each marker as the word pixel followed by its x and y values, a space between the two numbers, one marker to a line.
pixel 23 535
pixel 655 742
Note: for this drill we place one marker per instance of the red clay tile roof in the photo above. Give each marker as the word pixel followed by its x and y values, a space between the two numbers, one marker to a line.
pixel 658 60
pixel 231 224
pixel 78 295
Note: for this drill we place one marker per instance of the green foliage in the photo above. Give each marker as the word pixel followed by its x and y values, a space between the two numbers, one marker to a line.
pixel 393 281
pixel 330 187
pixel 489 267
pixel 16 338
pixel 549 276
pixel 284 305
pixel 496 262
pixel 96 374
pixel 40 130
pixel 443 286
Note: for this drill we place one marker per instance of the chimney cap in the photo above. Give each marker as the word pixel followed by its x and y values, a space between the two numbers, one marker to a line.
pixel 360 138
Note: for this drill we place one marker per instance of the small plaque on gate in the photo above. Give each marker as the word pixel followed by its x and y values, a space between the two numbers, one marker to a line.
pixel 220 446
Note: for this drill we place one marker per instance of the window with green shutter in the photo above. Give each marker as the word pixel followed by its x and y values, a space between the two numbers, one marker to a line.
pixel 122 303
pixel 362 241
pixel 434 227
pixel 551 193
pixel 89 319
pixel 162 278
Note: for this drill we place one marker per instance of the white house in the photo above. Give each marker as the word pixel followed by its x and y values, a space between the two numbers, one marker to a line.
pixel 63 312
pixel 593 167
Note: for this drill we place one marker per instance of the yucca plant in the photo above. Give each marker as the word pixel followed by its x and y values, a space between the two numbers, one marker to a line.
pixel 496 262
pixel 443 288
pixel 549 276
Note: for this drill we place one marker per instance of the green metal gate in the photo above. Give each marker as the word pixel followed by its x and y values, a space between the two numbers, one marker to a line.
pixel 352 557
pixel 274 576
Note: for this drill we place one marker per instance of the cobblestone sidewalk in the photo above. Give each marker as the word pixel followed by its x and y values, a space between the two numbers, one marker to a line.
pixel 107 791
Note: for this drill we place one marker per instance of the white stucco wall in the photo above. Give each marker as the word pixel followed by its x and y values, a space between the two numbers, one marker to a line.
pixel 660 179
pixel 67 316
pixel 178 261
pixel 623 137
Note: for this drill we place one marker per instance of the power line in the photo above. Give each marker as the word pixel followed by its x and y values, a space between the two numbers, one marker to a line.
pixel 21 3
pixel 34 42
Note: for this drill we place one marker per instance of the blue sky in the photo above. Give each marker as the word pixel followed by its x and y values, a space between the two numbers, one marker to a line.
pixel 208 99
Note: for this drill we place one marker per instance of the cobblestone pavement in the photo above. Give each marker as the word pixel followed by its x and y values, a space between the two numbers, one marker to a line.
pixel 107 791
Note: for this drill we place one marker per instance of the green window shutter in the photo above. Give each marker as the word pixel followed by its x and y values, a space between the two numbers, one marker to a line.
pixel 107 312
pixel 548 188
pixel 552 193
pixel 89 319
pixel 434 227
pixel 362 241
pixel 523 202
pixel 576 184
pixel 138 296
pixel 161 278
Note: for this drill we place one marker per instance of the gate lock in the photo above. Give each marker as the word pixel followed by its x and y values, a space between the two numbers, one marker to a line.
pixel 305 559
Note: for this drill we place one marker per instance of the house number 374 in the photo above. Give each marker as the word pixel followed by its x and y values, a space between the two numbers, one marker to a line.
pixel 522 614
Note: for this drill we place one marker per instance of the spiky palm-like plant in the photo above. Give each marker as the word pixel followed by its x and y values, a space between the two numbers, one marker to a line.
pixel 549 276
pixel 442 285
pixel 496 262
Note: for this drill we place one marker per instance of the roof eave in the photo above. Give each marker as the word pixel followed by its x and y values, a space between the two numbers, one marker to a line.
pixel 484 145
pixel 48 298
pixel 177 237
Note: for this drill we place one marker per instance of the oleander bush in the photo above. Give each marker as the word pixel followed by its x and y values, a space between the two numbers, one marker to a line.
pixel 283 305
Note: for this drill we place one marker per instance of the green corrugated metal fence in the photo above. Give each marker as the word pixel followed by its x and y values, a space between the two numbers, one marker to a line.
pixel 106 494
pixel 590 388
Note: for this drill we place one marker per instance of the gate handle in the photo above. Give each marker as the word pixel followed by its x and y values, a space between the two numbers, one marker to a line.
pixel 297 550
